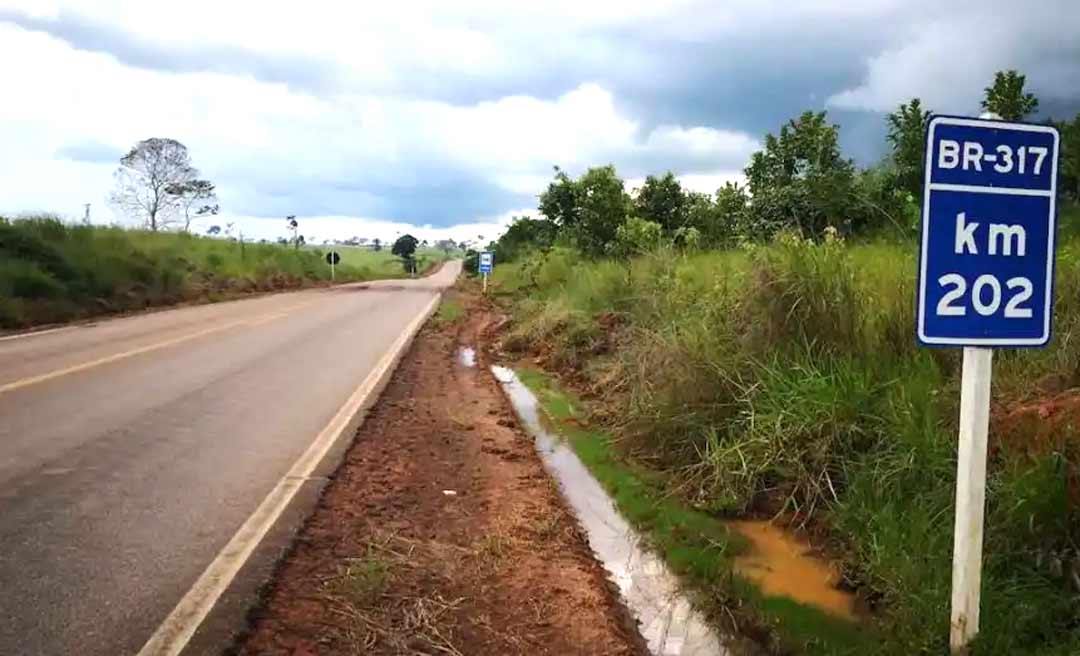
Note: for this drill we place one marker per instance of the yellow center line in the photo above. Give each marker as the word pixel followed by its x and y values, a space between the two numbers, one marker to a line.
pixel 33 380
pixel 268 318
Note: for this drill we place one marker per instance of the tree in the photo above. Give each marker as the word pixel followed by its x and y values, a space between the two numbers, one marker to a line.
pixel 701 214
pixel 148 179
pixel 405 248
pixel 882 202
pixel 472 262
pixel 907 132
pixel 800 180
pixel 560 201
pixel 524 234
pixel 294 227
pixel 197 195
pixel 214 230
pixel 604 207
pixel 637 236
pixel 718 221
pixel 1006 97
pixel 1069 170
pixel 376 244
pixel 589 209
pixel 662 201
pixel 445 245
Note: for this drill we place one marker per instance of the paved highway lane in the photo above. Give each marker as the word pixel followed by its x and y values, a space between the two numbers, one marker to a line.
pixel 132 450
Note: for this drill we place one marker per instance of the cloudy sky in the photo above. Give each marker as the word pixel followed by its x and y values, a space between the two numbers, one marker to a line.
pixel 362 118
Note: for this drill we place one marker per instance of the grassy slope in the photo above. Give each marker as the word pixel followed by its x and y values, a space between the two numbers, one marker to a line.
pixel 696 545
pixel 380 264
pixel 787 377
pixel 53 272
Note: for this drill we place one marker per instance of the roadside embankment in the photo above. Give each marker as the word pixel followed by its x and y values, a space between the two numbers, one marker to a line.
pixel 783 380
pixel 52 272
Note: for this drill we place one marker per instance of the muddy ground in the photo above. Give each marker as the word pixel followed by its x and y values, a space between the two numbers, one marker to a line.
pixel 441 533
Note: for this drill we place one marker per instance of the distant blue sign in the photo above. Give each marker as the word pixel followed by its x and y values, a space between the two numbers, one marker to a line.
pixel 487 262
pixel 986 266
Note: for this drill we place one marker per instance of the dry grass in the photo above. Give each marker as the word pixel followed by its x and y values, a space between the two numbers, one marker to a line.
pixel 384 612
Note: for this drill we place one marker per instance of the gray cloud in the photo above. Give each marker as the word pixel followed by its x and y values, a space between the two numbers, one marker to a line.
pixel 84 33
pixel 444 201
pixel 749 69
pixel 91 152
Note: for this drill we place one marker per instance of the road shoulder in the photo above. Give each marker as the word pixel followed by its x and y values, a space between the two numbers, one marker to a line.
pixel 441 532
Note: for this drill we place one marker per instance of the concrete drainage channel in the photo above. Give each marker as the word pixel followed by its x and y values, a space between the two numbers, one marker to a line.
pixel 670 626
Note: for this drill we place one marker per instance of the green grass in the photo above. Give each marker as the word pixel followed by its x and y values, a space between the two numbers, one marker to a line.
pixel 697 546
pixel 380 264
pixel 786 377
pixel 52 272
pixel 450 311
pixel 364 580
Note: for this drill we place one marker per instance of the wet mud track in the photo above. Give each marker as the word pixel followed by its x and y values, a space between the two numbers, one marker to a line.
pixel 441 533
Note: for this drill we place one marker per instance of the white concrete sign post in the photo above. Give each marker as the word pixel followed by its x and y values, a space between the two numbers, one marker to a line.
pixel 986 271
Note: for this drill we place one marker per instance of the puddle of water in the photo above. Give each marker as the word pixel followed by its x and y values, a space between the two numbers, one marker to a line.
pixel 467 356
pixel 670 626
pixel 782 565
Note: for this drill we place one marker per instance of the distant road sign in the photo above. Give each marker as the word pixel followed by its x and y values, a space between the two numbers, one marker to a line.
pixel 986 265
pixel 487 262
pixel 333 257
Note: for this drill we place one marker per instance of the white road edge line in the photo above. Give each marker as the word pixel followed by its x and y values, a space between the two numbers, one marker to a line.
pixel 35 333
pixel 172 636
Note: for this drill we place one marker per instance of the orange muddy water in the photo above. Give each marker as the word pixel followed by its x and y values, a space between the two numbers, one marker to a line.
pixel 783 565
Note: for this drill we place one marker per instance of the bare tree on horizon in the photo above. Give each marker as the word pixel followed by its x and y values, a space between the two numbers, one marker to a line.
pixel 157 184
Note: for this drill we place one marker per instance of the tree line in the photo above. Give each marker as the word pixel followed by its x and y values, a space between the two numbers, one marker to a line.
pixel 800 181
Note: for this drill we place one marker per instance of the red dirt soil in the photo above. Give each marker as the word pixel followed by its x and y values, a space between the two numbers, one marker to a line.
pixel 441 532
pixel 1034 429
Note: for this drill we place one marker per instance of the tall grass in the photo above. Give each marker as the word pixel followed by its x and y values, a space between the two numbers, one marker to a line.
pixel 785 379
pixel 51 271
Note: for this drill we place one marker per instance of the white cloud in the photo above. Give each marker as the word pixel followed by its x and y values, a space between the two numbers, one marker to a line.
pixel 433 112
pixel 708 183
pixel 262 141
pixel 944 66
pixel 950 52
pixel 702 183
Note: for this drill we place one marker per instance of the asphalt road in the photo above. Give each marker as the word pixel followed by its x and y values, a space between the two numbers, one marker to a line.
pixel 132 450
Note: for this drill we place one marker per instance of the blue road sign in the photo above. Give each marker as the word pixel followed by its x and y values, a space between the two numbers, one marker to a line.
pixel 986 266
pixel 487 261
